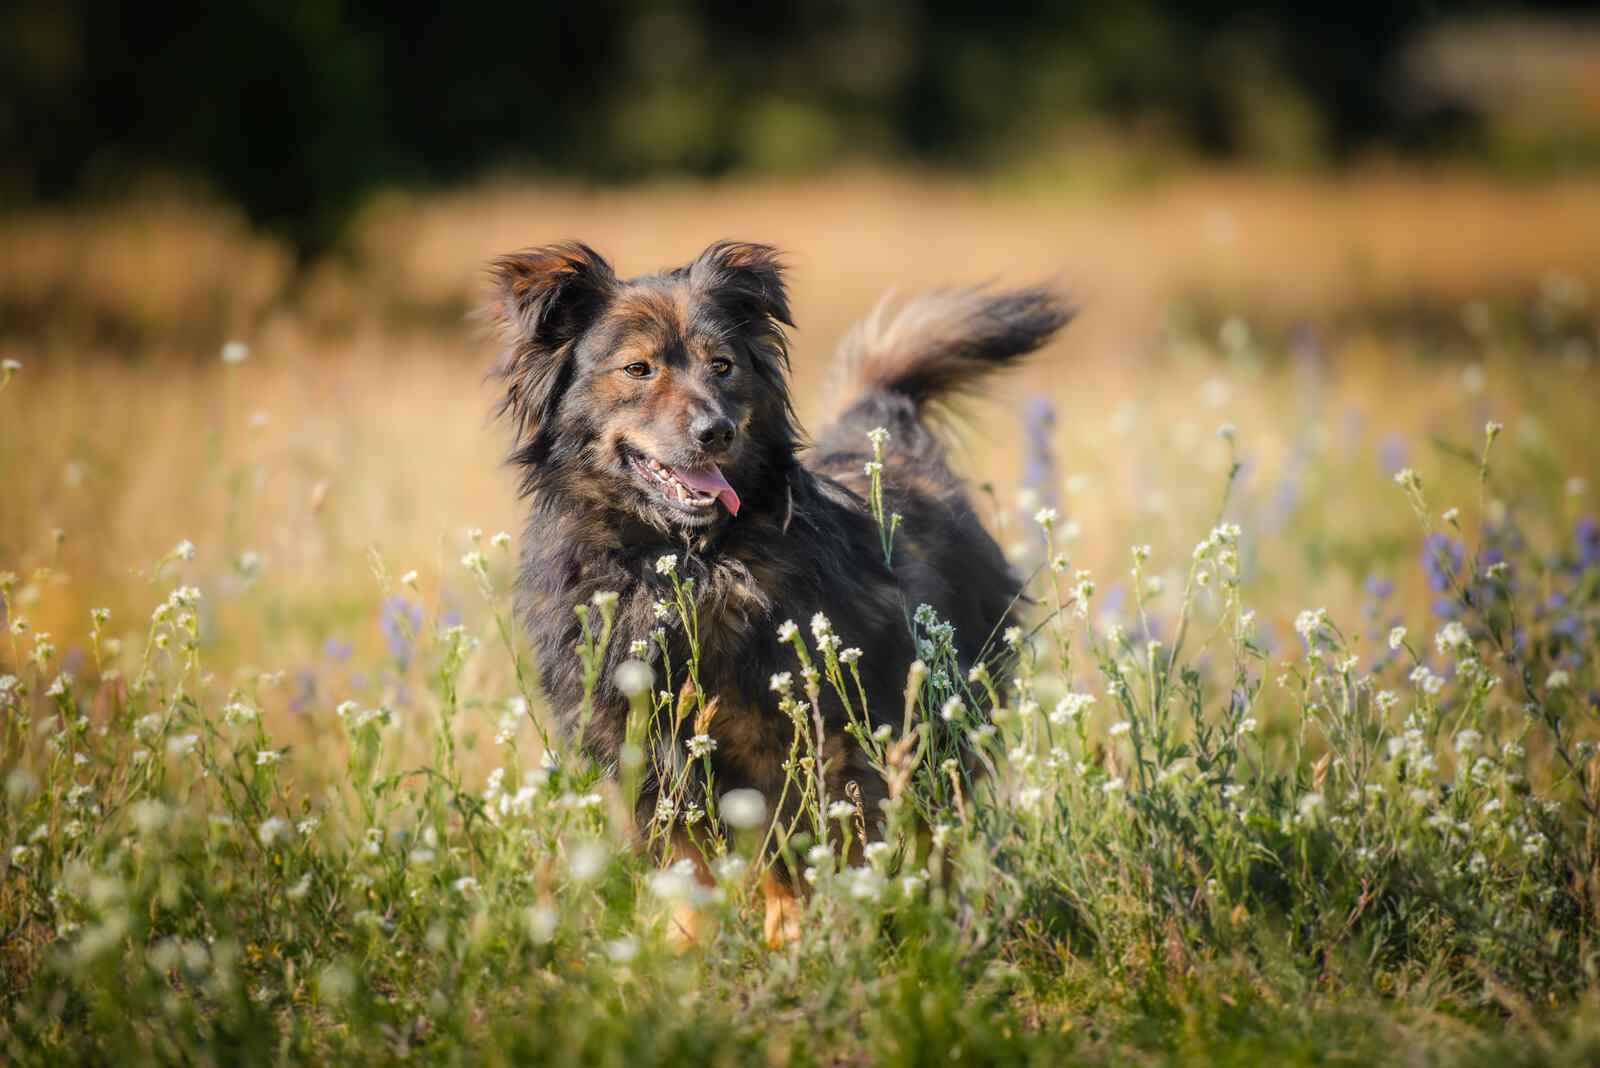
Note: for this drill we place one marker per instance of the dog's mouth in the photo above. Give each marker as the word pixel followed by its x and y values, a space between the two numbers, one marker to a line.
pixel 696 490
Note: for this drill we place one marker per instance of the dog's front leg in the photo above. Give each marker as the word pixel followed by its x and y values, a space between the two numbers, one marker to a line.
pixel 782 923
pixel 688 925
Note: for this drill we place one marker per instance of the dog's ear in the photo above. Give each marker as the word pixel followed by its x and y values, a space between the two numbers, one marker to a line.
pixel 543 300
pixel 746 279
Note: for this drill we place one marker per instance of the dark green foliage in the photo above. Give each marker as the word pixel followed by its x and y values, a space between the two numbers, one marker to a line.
pixel 296 109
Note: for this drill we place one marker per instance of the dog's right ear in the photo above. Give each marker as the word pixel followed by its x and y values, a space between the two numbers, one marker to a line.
pixel 543 300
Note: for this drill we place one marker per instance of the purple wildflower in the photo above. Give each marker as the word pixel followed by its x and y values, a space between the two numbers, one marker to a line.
pixel 1587 535
pixel 1111 602
pixel 1146 631
pixel 1266 638
pixel 1441 559
pixel 337 649
pixel 400 620
pixel 1393 454
pixel 1285 499
pixel 305 690
pixel 1039 456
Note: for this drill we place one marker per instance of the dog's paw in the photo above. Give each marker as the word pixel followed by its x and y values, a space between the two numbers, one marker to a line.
pixel 687 926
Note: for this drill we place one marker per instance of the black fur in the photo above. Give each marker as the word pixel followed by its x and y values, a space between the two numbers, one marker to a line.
pixel 803 541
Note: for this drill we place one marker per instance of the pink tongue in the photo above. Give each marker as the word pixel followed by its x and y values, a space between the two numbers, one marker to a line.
pixel 709 480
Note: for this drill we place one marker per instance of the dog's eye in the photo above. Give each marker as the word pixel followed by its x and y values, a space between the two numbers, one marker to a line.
pixel 637 369
pixel 720 366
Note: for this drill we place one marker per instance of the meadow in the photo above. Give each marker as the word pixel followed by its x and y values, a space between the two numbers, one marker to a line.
pixel 1296 758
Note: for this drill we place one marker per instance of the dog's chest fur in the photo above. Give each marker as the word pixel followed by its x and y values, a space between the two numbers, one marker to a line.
pixel 821 556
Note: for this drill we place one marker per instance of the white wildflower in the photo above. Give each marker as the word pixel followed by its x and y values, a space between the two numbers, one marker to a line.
pixel 1427 681
pixel 1309 624
pixel 1070 707
pixel 743 809
pixel 822 631
pixel 1082 592
pixel 1452 639
pixel 587 860
pixel 634 677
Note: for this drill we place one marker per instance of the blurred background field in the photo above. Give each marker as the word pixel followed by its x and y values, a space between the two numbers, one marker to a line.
pixel 1347 325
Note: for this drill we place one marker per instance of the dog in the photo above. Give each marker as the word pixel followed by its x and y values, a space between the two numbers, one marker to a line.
pixel 651 417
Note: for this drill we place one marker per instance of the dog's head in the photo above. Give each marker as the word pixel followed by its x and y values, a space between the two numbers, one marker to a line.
pixel 663 397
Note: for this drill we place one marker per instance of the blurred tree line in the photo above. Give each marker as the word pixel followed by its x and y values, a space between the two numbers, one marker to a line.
pixel 296 108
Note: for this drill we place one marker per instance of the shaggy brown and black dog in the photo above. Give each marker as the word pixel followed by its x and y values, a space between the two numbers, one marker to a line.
pixel 652 416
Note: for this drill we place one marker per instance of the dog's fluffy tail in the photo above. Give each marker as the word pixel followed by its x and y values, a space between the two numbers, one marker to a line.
pixel 938 345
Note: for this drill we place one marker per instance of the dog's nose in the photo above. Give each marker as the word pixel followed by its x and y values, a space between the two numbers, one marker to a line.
pixel 713 432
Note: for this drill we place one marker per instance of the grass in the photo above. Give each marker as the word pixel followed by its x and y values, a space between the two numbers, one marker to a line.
pixel 278 784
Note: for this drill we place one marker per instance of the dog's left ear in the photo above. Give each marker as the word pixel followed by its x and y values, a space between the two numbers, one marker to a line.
pixel 746 279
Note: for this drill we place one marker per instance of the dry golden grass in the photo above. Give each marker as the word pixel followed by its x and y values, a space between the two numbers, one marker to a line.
pixel 361 419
